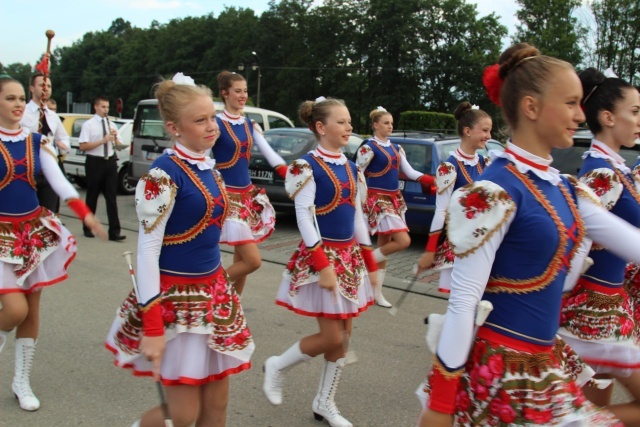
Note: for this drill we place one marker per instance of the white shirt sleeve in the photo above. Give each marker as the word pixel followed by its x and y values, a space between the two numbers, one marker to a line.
pixel 468 281
pixel 62 187
pixel 610 231
pixel 272 157
pixel 303 200
pixel 60 134
pixel 442 202
pixel 149 246
pixel 361 229
pixel 406 168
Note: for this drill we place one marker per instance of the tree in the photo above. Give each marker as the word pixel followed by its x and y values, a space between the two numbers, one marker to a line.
pixel 551 27
pixel 617 37
pixel 20 72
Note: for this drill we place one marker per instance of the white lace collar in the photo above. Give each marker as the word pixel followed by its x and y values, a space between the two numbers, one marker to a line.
pixel 327 156
pixel 465 158
pixel 7 135
pixel 228 117
pixel 381 142
pixel 600 150
pixel 202 161
pixel 527 162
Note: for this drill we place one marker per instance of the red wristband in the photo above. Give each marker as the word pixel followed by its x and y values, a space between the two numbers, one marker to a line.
pixel 427 180
pixel 152 324
pixel 432 242
pixel 369 260
pixel 79 208
pixel 319 258
pixel 281 170
pixel 444 387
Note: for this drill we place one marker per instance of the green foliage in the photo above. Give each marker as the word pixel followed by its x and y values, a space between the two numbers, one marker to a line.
pixel 424 120
pixel 20 72
pixel 551 27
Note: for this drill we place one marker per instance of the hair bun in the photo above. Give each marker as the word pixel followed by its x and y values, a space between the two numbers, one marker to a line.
pixel 461 109
pixel 163 88
pixel 590 78
pixel 512 57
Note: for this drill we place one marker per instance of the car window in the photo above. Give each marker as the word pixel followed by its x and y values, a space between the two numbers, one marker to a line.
pixel 290 144
pixel 418 156
pixel 149 123
pixel 352 146
pixel 449 147
pixel 277 122
pixel 77 127
pixel 256 118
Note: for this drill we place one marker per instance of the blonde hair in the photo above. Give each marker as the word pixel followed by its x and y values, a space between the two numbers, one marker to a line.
pixel 376 115
pixel 173 98
pixel 311 112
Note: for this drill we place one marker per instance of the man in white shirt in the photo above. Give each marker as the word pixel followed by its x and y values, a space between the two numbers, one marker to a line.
pixel 48 124
pixel 99 139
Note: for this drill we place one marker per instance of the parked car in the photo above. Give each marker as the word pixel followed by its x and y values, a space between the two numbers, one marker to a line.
pixel 290 143
pixel 569 160
pixel 425 155
pixel 150 137
pixel 74 161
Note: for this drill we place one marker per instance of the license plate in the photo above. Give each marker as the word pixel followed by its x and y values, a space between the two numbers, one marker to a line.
pixel 152 155
pixel 80 153
pixel 401 185
pixel 261 174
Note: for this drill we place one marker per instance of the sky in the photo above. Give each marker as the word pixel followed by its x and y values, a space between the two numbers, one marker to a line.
pixel 24 23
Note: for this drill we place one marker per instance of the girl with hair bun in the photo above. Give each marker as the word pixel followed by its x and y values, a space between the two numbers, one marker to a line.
pixel 185 325
pixel 461 168
pixel 326 277
pixel 251 217
pixel 381 161
pixel 599 320
pixel 518 233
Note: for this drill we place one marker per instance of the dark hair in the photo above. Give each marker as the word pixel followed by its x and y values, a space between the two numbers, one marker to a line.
pixel 5 78
pixel 100 98
pixel 600 94
pixel 225 81
pixel 34 76
pixel 312 112
pixel 525 71
pixel 467 117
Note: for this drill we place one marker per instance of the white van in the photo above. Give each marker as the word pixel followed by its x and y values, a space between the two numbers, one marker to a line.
pixel 150 137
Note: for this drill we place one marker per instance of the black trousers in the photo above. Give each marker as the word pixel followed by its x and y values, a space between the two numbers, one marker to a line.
pixel 46 196
pixel 102 177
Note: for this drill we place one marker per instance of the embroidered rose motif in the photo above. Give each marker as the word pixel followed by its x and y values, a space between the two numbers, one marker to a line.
pixel 538 416
pixel 601 184
pixel 477 201
pixel 443 169
pixel 462 401
pixel 295 169
pixel 152 188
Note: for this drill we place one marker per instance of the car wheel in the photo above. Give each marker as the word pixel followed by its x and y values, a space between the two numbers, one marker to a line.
pixel 124 186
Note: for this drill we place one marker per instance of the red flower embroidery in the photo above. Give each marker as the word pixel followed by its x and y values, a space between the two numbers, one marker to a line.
pixel 295 169
pixel 601 184
pixel 443 169
pixel 475 202
pixel 538 417
pixel 151 189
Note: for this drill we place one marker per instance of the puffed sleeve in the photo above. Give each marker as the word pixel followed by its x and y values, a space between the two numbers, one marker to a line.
pixel 364 157
pixel 479 217
pixel 635 172
pixel 605 184
pixel 445 178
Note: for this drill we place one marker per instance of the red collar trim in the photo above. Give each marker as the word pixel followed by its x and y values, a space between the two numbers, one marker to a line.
pixel 464 155
pixel 11 134
pixel 527 161
pixel 601 150
pixel 328 154
pixel 230 116
pixel 185 155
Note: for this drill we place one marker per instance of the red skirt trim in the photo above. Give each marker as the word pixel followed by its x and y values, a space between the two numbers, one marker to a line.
pixel 246 242
pixel 610 363
pixel 398 230
pixel 336 316
pixel 512 343
pixel 188 280
pixel 591 286
pixel 21 218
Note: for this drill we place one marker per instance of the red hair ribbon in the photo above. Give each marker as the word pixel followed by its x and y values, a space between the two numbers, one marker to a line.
pixel 43 65
pixel 492 83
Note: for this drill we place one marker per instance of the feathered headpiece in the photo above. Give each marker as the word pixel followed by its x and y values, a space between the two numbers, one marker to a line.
pixel 492 83
pixel 43 65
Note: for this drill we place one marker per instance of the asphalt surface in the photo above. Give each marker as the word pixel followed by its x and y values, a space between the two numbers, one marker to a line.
pixel 74 376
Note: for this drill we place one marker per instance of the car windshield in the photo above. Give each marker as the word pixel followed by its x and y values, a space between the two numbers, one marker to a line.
pixel 290 144
pixel 149 123
pixel 449 147
pixel 418 156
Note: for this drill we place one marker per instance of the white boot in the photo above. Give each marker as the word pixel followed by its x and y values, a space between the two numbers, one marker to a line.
pixel 136 424
pixel 3 339
pixel 380 299
pixel 274 368
pixel 25 350
pixel 379 256
pixel 323 405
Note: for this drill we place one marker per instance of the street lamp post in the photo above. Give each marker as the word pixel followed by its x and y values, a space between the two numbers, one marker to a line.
pixel 257 67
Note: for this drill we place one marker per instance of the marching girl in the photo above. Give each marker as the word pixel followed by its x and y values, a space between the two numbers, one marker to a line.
pixel 461 168
pixel 187 328
pixel 598 319
pixel 515 232
pixel 326 277
pixel 380 161
pixel 35 248
pixel 251 217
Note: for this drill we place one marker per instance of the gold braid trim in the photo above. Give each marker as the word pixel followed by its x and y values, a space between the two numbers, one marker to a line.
pixel 464 170
pixel 389 160
pixel 6 156
pixel 302 167
pixel 447 375
pixel 626 183
pixel 173 189
pixel 238 145
pixel 323 210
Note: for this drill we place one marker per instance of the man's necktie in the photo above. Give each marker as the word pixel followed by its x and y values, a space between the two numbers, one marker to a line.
pixel 43 126
pixel 104 133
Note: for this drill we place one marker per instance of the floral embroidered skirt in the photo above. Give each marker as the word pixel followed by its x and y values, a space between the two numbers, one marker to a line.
pixel 384 211
pixel 35 251
pixel 205 327
pixel 507 386
pixel 300 292
pixel 251 218
pixel 601 325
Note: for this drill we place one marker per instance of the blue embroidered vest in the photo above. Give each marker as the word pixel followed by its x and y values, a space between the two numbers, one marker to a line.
pixel 232 152
pixel 19 165
pixel 382 171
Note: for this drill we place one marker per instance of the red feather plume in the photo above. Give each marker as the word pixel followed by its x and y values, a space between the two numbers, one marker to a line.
pixel 492 83
pixel 43 65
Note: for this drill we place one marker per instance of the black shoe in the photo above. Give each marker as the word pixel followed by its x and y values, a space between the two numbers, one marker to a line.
pixel 118 238
pixel 88 233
